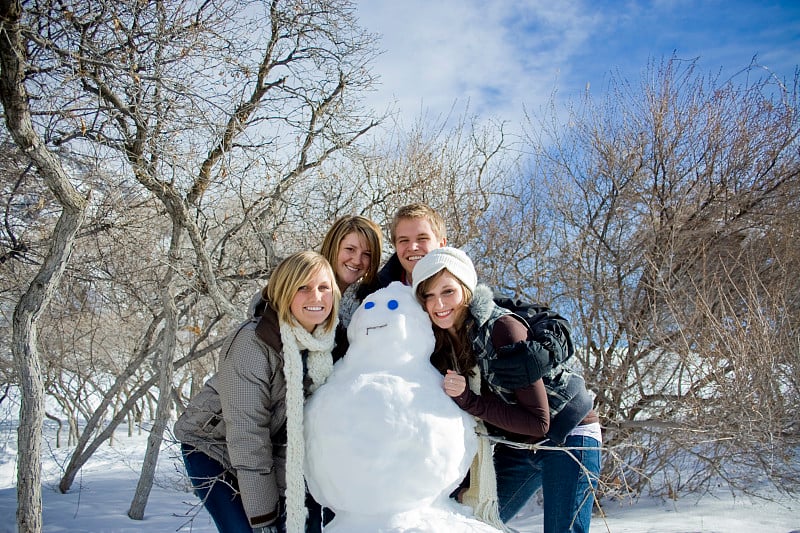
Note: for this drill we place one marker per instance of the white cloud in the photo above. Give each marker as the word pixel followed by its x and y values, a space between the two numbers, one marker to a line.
pixel 499 55
pixel 493 55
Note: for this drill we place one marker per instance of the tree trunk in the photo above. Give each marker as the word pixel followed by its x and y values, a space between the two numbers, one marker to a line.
pixel 24 346
pixel 165 373
pixel 72 439
pixel 27 363
pixel 58 430
pixel 29 434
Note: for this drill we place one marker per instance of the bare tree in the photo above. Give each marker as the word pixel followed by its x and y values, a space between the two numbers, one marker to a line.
pixel 459 166
pixel 27 360
pixel 679 203
pixel 165 372
pixel 218 111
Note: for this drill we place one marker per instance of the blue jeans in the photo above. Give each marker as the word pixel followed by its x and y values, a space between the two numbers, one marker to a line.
pixel 218 489
pixel 567 490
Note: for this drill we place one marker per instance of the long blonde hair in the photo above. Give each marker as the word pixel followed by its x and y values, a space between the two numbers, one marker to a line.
pixel 291 274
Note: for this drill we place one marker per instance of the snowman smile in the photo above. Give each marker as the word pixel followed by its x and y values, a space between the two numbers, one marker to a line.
pixel 376 327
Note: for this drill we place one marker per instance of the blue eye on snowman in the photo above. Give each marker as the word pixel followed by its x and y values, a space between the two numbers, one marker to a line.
pixel 391 305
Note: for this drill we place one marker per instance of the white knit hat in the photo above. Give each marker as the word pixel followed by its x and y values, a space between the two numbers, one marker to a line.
pixel 453 259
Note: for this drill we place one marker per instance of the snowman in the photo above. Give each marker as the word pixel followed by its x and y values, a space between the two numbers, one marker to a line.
pixel 385 446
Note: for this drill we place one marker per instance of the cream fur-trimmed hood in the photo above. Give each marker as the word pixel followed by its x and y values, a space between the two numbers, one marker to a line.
pixel 482 304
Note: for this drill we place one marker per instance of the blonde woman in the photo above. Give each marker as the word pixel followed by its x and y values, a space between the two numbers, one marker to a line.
pixel 242 434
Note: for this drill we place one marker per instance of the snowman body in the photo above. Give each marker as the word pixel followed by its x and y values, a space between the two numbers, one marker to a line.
pixel 384 443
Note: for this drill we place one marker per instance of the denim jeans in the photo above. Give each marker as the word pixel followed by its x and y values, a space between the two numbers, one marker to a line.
pixel 218 489
pixel 567 490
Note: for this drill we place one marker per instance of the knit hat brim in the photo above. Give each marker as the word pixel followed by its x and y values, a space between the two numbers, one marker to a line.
pixel 454 260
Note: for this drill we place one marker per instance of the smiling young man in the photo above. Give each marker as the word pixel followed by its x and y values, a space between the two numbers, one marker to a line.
pixel 416 230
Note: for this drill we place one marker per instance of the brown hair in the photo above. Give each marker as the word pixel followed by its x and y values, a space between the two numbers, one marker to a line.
pixel 291 274
pixel 451 352
pixel 419 210
pixel 364 227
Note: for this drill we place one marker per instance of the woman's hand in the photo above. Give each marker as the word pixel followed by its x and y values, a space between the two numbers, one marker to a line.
pixel 454 384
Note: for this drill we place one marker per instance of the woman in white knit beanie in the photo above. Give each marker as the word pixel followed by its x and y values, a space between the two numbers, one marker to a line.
pixel 242 434
pixel 489 359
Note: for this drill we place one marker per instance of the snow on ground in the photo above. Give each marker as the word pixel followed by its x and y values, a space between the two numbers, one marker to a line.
pixel 103 490
pixel 102 493
pixel 720 513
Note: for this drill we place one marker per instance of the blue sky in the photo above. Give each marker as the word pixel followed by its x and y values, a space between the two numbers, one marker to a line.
pixel 502 54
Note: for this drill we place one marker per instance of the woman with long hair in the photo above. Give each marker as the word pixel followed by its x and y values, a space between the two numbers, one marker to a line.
pixel 485 353
pixel 242 434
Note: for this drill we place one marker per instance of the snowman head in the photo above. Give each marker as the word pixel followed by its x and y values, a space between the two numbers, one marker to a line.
pixel 389 320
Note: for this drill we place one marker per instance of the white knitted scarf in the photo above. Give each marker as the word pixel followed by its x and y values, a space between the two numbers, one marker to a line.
pixel 482 492
pixel 320 365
